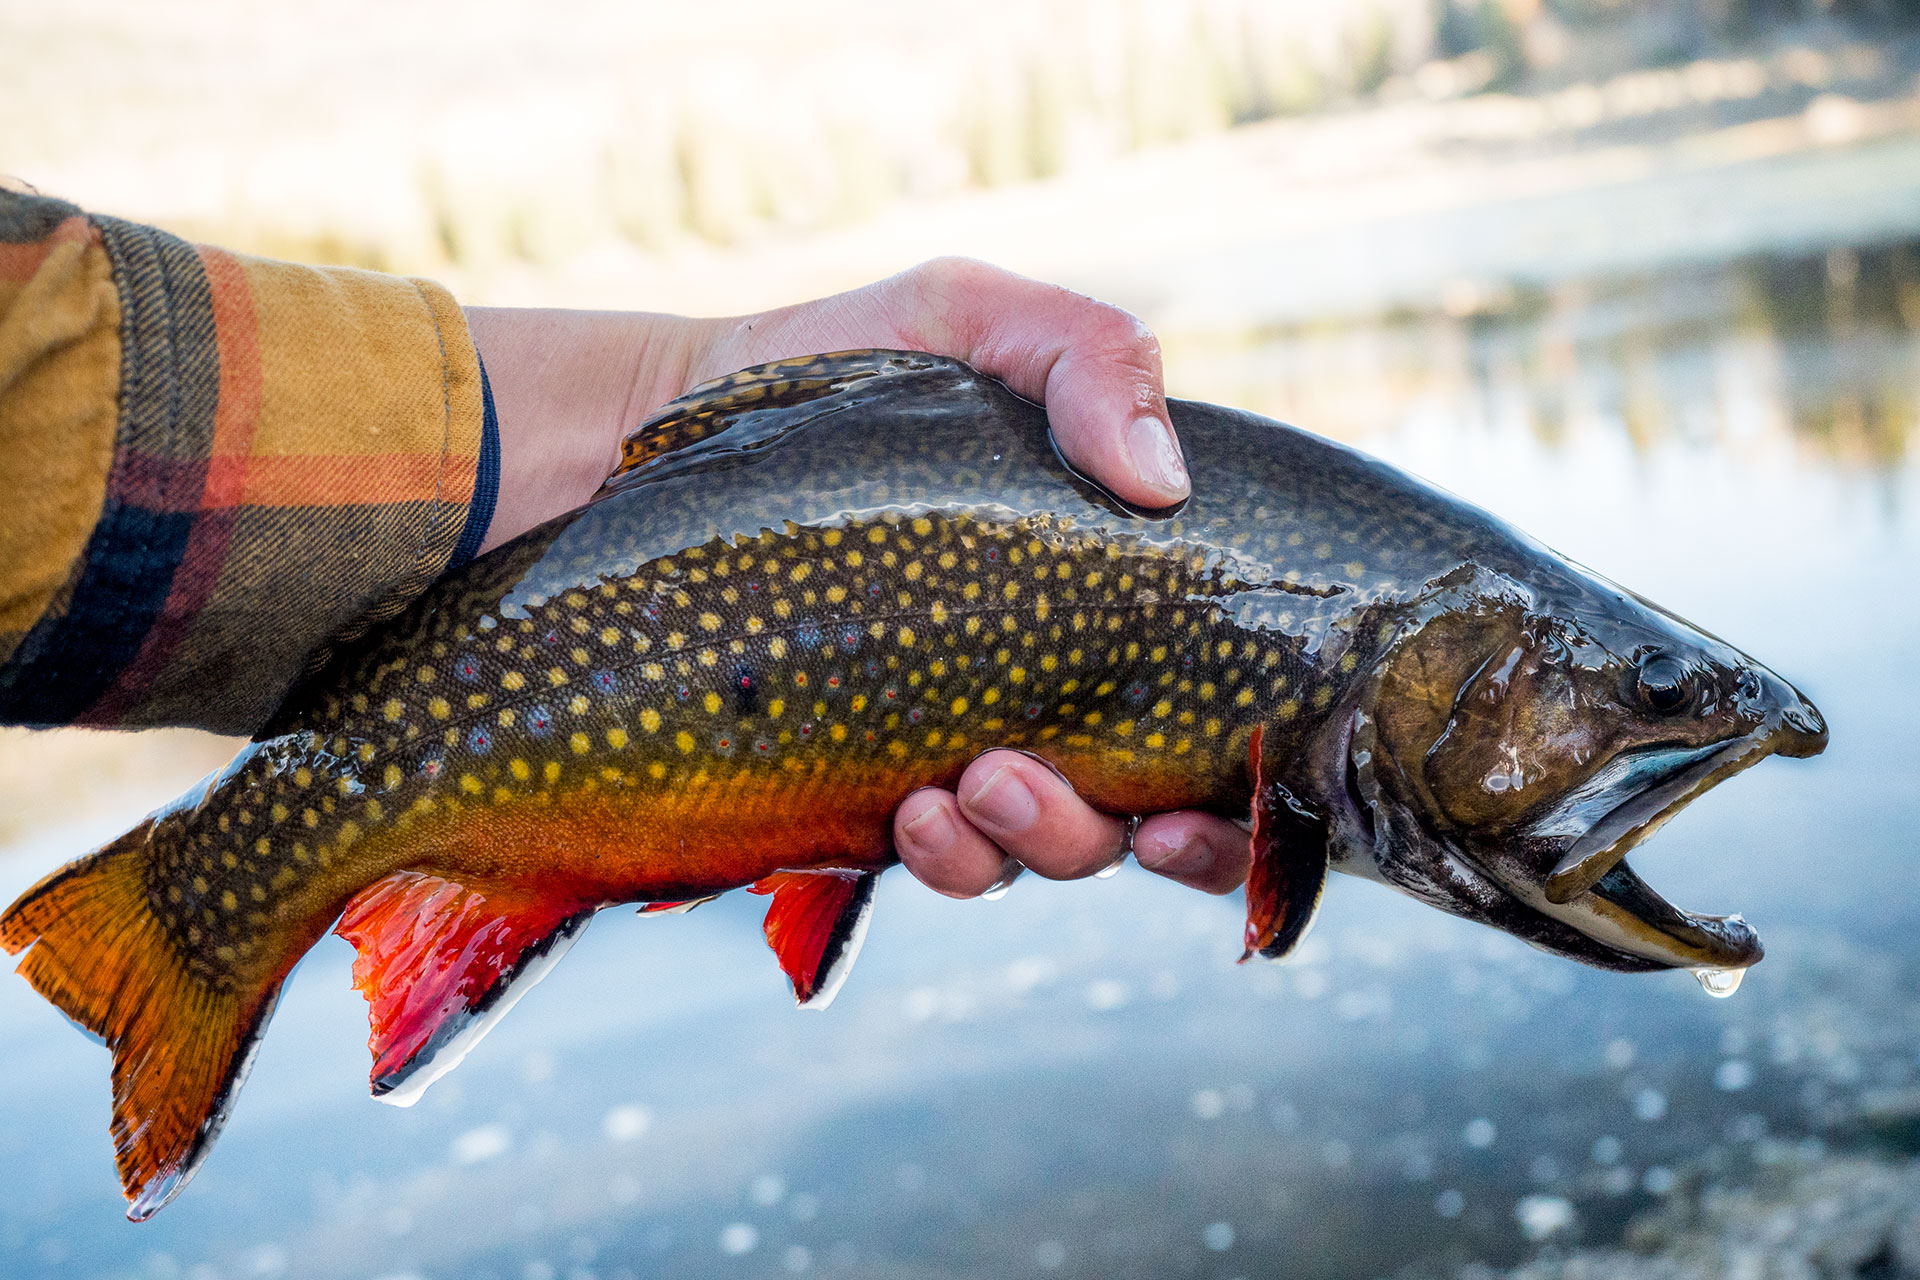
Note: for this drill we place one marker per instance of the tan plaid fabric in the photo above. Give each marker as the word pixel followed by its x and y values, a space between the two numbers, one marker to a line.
pixel 214 468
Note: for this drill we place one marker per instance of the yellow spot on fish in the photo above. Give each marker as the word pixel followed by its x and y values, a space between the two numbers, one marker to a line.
pixel 1244 698
pixel 551 771
pixel 711 702
pixel 649 719
pixel 684 741
pixel 580 744
pixel 518 768
pixel 959 707
pixel 228 901
pixel 1156 740
pixel 393 710
pixel 556 676
pixel 512 680
pixel 470 784
pixel 424 675
pixel 437 708
pixel 578 704
pixel 776 709
pixel 616 738
pixel 609 636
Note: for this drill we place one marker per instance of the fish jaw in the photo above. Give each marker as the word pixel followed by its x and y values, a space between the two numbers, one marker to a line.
pixel 1562 884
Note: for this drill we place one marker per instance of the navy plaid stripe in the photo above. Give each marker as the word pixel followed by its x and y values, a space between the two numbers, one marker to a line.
pixel 170 383
pixel 26 218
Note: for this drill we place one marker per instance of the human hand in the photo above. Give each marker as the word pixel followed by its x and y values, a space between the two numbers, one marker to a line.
pixel 568 385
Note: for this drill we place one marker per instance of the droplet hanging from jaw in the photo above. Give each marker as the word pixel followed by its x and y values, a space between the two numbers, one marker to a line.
pixel 1720 983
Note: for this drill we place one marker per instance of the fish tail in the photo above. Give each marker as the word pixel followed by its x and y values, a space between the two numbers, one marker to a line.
pixel 181 1042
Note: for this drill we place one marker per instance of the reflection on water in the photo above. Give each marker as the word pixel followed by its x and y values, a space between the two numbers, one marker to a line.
pixel 1824 349
pixel 1076 1080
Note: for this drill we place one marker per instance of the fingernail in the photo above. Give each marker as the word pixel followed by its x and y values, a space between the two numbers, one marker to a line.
pixel 932 831
pixel 1005 802
pixel 1192 857
pixel 1156 458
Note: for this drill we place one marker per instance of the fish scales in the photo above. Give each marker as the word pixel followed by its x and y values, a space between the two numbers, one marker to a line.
pixel 817 586
pixel 638 702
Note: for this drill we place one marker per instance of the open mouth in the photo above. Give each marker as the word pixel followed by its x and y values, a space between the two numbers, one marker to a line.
pixel 1586 838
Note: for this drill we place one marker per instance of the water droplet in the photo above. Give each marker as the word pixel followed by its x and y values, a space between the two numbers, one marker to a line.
pixel 1720 983
pixel 1111 870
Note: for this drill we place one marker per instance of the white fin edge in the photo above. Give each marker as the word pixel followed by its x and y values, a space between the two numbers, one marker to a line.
pixel 424 1071
pixel 836 975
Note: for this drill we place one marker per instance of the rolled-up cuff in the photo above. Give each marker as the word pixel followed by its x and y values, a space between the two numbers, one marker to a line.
pixel 295 458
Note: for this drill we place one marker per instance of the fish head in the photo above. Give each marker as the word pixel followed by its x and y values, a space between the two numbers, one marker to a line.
pixel 1521 737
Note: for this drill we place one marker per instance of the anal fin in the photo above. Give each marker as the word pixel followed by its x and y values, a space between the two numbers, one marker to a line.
pixel 815 925
pixel 440 963
pixel 1290 862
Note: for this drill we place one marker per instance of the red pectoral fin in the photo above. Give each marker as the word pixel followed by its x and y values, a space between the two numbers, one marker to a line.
pixel 439 964
pixel 815 925
pixel 1289 866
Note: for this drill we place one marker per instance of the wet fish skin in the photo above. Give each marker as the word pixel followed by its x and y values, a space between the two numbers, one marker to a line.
pixel 815 588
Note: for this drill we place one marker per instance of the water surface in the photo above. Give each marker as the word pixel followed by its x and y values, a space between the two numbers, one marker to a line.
pixel 1077 1080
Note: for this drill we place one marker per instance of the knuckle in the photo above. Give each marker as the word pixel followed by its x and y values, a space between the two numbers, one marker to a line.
pixel 952 273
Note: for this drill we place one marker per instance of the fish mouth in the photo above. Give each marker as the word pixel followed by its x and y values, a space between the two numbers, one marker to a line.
pixel 1586 837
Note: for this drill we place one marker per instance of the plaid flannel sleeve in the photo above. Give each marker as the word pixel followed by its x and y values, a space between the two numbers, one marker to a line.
pixel 214 469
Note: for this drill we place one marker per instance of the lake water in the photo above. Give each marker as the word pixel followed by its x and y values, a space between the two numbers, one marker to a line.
pixel 1077 1080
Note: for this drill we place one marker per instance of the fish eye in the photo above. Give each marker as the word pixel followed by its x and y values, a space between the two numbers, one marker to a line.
pixel 1665 684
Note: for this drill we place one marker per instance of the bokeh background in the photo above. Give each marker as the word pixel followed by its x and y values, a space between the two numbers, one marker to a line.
pixel 1641 275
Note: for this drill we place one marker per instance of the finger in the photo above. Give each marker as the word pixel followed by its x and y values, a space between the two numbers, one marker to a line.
pixel 1028 810
pixel 941 850
pixel 1195 849
pixel 1095 367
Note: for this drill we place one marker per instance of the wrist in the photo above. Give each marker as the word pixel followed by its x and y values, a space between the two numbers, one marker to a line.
pixel 567 386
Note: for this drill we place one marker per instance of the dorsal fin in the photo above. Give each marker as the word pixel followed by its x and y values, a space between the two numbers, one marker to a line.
pixel 762 391
pixel 440 963
pixel 815 925
pixel 1290 861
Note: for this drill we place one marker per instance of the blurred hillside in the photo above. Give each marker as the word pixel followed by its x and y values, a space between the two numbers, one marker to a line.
pixel 482 137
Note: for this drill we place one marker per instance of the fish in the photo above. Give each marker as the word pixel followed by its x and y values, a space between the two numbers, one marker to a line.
pixel 815 586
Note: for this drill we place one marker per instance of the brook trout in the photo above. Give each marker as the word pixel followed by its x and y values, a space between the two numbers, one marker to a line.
pixel 816 586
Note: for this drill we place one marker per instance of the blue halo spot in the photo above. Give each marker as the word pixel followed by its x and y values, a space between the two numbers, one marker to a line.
pixel 539 721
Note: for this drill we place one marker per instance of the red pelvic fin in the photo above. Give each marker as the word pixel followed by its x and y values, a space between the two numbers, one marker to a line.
pixel 181 1046
pixel 815 925
pixel 675 908
pixel 439 964
pixel 1289 865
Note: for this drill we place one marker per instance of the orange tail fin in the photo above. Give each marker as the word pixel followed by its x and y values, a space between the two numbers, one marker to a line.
pixel 181 1045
